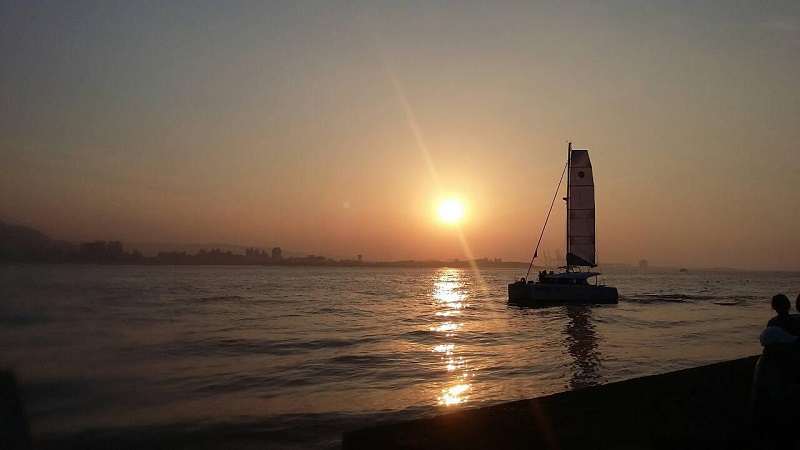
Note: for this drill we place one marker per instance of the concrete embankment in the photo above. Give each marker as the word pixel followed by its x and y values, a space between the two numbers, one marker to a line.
pixel 703 407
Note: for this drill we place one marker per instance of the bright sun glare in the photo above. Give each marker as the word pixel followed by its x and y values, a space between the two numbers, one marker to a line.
pixel 450 211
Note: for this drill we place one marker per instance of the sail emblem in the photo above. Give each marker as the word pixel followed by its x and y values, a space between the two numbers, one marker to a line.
pixel 581 174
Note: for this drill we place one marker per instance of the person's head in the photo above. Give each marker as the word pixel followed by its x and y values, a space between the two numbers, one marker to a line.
pixel 781 304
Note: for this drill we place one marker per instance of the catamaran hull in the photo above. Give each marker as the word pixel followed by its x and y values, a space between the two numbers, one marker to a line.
pixel 545 293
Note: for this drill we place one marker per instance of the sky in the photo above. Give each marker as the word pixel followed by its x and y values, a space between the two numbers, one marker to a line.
pixel 334 128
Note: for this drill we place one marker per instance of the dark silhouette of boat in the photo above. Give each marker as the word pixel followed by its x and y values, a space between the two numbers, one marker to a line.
pixel 571 285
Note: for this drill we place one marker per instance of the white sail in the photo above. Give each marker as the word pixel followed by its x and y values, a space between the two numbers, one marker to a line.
pixel 580 210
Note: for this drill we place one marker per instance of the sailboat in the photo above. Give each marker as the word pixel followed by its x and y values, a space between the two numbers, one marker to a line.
pixel 571 284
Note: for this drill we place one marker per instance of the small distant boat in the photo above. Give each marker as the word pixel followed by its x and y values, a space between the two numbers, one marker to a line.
pixel 683 269
pixel 571 285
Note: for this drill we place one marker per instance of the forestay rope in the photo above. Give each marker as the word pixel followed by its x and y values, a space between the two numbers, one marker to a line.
pixel 536 251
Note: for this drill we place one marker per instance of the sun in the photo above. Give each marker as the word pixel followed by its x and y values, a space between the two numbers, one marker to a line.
pixel 450 211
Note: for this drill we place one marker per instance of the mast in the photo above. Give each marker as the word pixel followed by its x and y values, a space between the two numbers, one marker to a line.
pixel 569 166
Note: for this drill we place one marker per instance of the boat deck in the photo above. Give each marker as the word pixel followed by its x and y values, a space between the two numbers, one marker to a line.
pixel 545 294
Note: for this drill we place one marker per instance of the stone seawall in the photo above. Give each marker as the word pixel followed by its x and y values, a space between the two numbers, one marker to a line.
pixel 702 407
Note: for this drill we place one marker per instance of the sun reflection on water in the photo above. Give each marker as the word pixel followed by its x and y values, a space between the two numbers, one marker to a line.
pixel 447 349
pixel 453 395
pixel 448 326
pixel 451 301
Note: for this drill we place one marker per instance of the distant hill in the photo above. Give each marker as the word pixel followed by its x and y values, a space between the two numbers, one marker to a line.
pixel 25 244
pixel 22 244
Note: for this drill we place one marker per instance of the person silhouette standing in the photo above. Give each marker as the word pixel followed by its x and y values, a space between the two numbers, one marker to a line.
pixel 797 307
pixel 774 393
pixel 781 305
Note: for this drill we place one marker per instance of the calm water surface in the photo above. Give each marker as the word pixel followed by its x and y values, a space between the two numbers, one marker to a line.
pixel 292 357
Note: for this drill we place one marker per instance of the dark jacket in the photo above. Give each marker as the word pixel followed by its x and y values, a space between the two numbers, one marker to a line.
pixel 786 322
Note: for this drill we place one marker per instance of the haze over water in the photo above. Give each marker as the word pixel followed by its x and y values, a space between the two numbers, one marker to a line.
pixel 292 357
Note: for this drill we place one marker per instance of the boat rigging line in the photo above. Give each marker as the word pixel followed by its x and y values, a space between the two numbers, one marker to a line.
pixel 536 251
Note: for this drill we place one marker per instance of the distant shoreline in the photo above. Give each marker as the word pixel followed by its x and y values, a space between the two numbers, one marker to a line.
pixel 289 262
pixel 25 245
pixel 300 262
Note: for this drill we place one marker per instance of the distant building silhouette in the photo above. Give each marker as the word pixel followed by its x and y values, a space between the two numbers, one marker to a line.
pixel 114 250
pixel 359 258
pixel 276 253
pixel 92 251
pixel 254 255
pixel 643 264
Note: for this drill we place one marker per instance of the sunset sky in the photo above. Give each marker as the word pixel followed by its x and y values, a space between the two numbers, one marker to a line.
pixel 335 128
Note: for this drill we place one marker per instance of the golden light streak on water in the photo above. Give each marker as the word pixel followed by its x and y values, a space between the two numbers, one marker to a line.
pixel 448 295
pixel 447 349
pixel 447 326
pixel 454 395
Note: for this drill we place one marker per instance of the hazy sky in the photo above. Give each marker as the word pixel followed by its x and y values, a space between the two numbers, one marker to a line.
pixel 335 127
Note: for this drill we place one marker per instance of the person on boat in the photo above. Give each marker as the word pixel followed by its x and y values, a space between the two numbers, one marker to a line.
pixel 781 305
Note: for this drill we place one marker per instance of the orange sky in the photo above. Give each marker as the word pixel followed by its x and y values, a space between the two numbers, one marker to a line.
pixel 334 128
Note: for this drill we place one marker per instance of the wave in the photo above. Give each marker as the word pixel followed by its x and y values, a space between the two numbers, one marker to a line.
pixel 218 299
pixel 654 298
pixel 236 347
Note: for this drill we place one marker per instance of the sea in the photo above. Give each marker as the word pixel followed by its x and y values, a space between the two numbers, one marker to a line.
pixel 291 357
